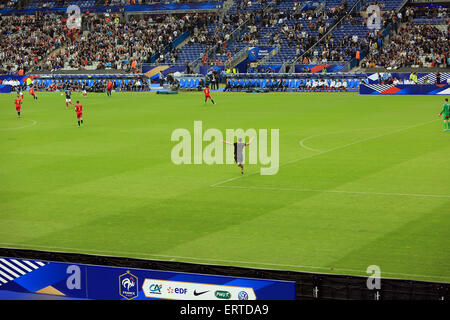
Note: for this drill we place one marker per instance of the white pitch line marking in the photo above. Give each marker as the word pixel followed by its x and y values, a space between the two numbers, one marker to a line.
pixel 327 151
pixel 212 260
pixel 33 123
pixel 303 145
pixel 339 191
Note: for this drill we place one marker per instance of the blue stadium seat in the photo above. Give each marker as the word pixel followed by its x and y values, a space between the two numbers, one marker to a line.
pixel 351 83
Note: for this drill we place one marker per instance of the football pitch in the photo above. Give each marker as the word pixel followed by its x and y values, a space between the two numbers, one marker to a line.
pixel 362 180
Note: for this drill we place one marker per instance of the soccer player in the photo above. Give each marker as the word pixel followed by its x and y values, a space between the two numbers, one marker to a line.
pixel 68 99
pixel 207 95
pixel 18 102
pixel 344 85
pixel 79 111
pixel 446 115
pixel 19 91
pixel 308 85
pixel 32 93
pixel 333 85
pixel 238 152
pixel 109 87
pixel 83 88
pixel 314 85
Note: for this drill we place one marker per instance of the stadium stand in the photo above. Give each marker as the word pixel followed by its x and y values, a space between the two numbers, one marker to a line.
pixel 28 39
pixel 419 40
pixel 309 33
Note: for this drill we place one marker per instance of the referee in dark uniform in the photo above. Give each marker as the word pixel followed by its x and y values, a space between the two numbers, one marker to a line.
pixel 239 152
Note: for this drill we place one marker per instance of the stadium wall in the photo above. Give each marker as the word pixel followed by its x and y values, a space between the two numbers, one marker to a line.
pixel 58 274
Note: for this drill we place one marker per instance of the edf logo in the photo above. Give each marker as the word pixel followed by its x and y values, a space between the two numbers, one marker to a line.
pixel 176 290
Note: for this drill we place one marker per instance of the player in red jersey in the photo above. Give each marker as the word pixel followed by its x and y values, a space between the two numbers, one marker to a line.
pixel 32 93
pixel 18 102
pixel 79 111
pixel 109 87
pixel 207 95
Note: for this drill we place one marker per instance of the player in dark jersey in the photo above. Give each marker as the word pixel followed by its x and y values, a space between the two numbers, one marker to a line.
pixel 19 92
pixel 239 152
pixel 83 89
pixel 68 99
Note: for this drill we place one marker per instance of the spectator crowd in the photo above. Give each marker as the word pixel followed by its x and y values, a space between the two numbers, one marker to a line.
pixel 413 45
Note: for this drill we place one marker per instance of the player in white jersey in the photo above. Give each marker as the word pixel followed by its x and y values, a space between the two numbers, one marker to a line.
pixel 333 85
pixel 345 85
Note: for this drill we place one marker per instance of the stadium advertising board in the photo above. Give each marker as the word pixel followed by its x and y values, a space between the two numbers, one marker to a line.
pixel 82 281
pixel 405 89
pixel 256 53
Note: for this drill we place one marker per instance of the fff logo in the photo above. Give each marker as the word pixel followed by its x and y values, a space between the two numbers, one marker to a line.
pixel 128 286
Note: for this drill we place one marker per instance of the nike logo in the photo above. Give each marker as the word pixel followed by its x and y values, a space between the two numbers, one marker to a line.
pixel 199 293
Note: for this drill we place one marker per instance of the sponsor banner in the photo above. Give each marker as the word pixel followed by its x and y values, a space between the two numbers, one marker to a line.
pixel 152 71
pixel 404 89
pixel 204 70
pixel 256 53
pixel 317 68
pixel 15 80
pixel 269 68
pixel 378 78
pixel 178 290
pixel 81 281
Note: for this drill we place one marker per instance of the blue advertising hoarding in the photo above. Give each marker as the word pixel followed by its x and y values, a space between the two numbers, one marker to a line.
pixel 404 89
pixel 82 281
pixel 256 53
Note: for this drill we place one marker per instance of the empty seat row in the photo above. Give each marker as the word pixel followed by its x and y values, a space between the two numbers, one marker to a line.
pixel 189 83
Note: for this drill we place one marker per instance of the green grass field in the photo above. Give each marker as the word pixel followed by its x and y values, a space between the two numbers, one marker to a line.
pixel 363 180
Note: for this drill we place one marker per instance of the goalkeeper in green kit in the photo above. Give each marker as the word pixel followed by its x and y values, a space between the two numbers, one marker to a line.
pixel 446 113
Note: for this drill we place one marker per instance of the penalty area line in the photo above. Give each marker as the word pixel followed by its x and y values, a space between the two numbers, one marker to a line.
pixel 33 123
pixel 327 151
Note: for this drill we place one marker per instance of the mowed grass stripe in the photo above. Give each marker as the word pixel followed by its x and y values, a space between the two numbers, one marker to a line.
pixel 112 184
